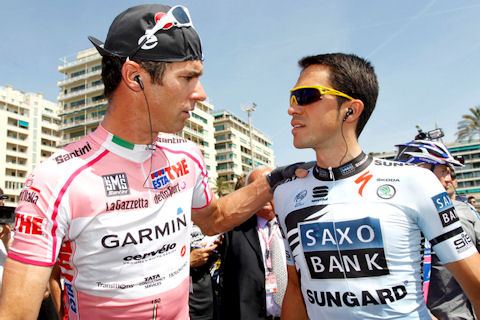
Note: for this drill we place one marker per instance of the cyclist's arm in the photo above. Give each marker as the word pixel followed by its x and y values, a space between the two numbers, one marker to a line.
pixel 56 289
pixel 23 287
pixel 466 273
pixel 227 212
pixel 293 306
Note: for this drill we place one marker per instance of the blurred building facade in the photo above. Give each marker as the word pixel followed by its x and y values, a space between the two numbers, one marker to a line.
pixel 29 134
pixel 232 143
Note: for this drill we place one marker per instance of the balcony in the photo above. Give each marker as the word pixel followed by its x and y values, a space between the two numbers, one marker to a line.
pixel 84 122
pixel 14 153
pixel 16 166
pixel 51 149
pixel 87 75
pixel 64 142
pixel 79 62
pixel 90 105
pixel 62 96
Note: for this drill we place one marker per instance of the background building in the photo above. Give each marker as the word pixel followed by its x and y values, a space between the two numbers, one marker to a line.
pixel 29 134
pixel 81 95
pixel 199 129
pixel 232 143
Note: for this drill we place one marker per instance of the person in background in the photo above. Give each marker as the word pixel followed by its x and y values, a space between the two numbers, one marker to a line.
pixel 446 299
pixel 5 236
pixel 248 290
pixel 203 254
pixel 472 200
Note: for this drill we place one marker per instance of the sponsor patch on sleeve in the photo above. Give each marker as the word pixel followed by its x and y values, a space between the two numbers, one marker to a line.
pixel 445 209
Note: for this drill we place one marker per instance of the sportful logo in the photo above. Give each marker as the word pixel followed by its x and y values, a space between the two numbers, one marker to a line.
pixel 116 184
pixel 165 175
pixel 320 192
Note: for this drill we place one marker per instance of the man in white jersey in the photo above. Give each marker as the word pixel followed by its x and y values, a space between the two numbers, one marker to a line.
pixel 353 225
pixel 113 209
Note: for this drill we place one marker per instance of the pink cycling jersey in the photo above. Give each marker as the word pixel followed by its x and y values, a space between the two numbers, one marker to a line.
pixel 116 218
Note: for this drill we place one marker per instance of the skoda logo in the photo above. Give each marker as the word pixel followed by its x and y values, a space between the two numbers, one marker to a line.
pixel 386 191
pixel 300 196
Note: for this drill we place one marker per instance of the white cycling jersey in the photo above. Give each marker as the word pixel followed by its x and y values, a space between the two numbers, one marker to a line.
pixel 118 220
pixel 354 236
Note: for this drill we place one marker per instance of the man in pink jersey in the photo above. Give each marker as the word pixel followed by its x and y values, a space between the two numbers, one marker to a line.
pixel 113 209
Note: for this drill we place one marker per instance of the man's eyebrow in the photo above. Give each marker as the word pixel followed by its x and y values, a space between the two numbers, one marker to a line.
pixel 193 73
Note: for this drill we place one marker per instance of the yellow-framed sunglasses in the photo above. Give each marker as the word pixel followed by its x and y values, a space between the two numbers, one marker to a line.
pixel 305 95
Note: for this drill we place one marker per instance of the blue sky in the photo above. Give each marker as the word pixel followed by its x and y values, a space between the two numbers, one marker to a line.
pixel 426 55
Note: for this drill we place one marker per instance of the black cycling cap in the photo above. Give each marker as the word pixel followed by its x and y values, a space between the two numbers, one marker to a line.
pixel 128 30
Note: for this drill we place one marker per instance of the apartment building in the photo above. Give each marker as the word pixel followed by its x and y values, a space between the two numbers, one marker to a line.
pixel 81 95
pixel 29 132
pixel 232 143
pixel 199 129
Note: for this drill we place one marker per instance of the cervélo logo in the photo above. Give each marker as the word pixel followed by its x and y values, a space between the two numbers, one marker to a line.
pixel 116 184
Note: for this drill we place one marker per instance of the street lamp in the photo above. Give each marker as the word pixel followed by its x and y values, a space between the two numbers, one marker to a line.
pixel 248 110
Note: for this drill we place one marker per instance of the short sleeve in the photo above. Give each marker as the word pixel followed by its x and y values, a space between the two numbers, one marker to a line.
pixel 39 225
pixel 438 219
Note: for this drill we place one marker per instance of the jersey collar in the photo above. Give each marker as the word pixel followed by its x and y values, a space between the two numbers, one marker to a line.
pixel 344 171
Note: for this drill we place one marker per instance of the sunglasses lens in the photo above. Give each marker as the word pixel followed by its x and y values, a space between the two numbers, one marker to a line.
pixel 306 96
pixel 180 14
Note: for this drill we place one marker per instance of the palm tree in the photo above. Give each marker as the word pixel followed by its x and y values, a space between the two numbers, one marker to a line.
pixel 469 127
pixel 221 187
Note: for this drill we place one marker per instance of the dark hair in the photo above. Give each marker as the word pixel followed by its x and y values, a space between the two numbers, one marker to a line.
pixel 351 75
pixel 240 181
pixel 112 72
pixel 470 198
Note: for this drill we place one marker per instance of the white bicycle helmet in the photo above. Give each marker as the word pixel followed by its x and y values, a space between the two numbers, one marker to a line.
pixel 426 151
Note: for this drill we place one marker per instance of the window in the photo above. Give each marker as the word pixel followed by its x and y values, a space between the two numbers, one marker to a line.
pixel 97 67
pixel 221 157
pixel 77 103
pixel 76 134
pixel 199 117
pixel 219 127
pixel 77 88
pixel 77 73
pixel 96 83
pixel 97 98
pixel 220 146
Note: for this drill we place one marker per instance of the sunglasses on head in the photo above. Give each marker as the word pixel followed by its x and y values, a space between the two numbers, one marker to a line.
pixel 177 16
pixel 305 95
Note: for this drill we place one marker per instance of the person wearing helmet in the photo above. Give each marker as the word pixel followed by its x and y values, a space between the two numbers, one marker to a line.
pixel 446 299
